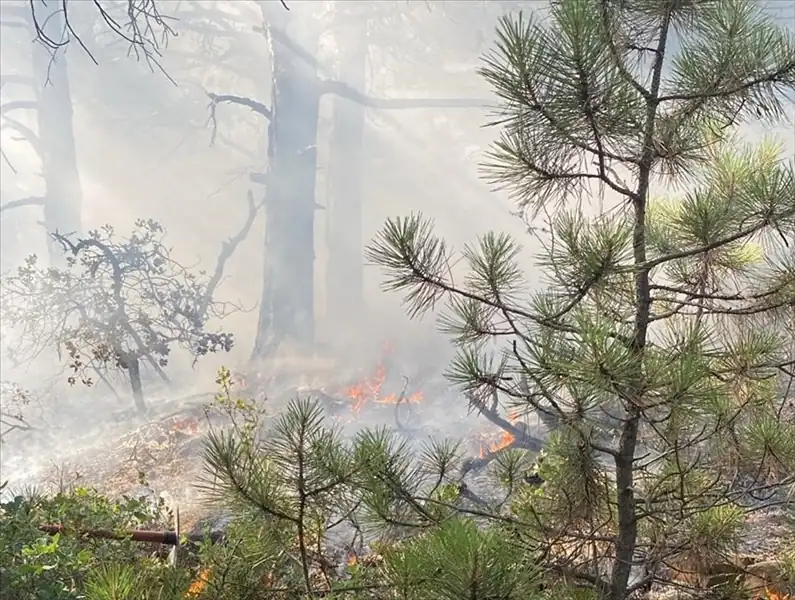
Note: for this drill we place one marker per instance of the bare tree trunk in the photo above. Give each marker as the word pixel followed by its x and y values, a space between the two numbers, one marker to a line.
pixel 63 196
pixel 134 372
pixel 344 212
pixel 287 309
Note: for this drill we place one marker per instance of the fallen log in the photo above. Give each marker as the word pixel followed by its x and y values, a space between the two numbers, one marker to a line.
pixel 166 538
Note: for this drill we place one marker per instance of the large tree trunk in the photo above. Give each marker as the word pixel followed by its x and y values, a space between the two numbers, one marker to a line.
pixel 286 309
pixel 63 195
pixel 344 213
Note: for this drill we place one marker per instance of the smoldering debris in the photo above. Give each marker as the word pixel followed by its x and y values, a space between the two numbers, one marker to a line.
pixel 165 449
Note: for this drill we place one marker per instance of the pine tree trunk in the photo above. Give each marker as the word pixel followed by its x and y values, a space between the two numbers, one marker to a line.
pixel 626 507
pixel 286 309
pixel 344 212
pixel 63 193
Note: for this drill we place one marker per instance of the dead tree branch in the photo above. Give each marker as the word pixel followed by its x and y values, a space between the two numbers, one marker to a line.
pixel 257 107
pixel 7 161
pixel 17 105
pixel 11 423
pixel 28 135
pixel 216 99
pixel 146 29
pixel 521 437
pixel 29 201
pixel 227 250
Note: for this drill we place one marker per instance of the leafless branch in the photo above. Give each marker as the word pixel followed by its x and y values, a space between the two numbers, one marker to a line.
pixel 26 132
pixel 7 160
pixel 522 439
pixel 17 105
pixel 146 29
pixel 227 250
pixel 29 201
pixel 216 99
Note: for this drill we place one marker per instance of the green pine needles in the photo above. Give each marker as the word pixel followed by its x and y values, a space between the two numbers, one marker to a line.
pixel 658 347
pixel 662 339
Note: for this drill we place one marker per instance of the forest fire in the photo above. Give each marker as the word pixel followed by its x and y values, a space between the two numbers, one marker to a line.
pixel 369 390
pixel 505 440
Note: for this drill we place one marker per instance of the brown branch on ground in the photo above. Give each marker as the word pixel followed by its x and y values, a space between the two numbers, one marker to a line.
pixel 401 401
pixel 521 437
pixel 468 494
pixel 470 465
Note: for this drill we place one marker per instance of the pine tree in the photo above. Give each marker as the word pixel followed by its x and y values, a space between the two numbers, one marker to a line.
pixel 660 339
pixel 657 353
pixel 294 483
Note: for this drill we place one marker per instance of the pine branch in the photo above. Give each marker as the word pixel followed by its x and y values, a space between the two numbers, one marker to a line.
pixel 715 91
pixel 743 233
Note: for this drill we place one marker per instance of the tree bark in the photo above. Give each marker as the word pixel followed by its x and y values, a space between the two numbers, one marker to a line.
pixel 134 372
pixel 344 211
pixel 286 309
pixel 63 196
pixel 626 538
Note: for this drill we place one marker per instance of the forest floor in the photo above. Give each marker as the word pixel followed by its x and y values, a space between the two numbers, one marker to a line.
pixel 163 458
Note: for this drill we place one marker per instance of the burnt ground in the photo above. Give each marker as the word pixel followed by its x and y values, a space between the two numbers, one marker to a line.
pixel 163 455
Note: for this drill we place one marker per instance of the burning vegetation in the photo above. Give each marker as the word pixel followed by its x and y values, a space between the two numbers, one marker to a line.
pixel 630 393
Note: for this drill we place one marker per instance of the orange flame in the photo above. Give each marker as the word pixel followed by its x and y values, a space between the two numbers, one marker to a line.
pixel 414 398
pixel 198 584
pixel 506 439
pixel 369 390
pixel 352 560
